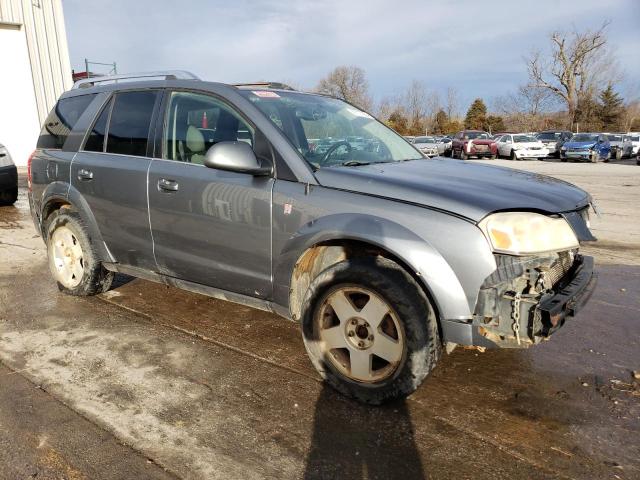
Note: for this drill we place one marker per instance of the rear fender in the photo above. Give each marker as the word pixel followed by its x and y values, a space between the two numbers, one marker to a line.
pixel 65 193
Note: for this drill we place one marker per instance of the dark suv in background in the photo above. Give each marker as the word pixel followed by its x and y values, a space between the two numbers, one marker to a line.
pixel 553 140
pixel 381 254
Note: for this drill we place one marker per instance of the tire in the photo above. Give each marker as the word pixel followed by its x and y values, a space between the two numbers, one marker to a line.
pixel 9 197
pixel 67 237
pixel 492 157
pixel 513 155
pixel 410 325
pixel 618 154
pixel 463 154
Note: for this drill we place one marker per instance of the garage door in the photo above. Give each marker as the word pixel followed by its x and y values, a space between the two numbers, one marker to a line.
pixel 19 125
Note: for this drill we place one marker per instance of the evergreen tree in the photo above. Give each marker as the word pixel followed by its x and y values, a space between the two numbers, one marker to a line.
pixel 476 115
pixel 610 108
pixel 441 121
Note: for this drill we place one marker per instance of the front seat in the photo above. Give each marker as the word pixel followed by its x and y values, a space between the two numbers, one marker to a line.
pixel 195 145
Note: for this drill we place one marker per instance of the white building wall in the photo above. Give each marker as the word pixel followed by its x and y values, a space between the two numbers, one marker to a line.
pixel 32 34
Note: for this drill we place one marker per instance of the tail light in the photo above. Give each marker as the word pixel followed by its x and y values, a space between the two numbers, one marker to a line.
pixel 29 169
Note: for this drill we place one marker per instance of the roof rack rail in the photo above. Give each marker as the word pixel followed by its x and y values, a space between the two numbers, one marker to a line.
pixel 167 74
pixel 273 85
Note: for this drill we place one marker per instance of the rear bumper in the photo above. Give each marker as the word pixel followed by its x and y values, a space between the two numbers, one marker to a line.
pixel 8 178
pixel 538 317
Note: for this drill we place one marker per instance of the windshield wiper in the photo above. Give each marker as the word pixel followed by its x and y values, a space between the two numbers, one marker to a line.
pixel 355 163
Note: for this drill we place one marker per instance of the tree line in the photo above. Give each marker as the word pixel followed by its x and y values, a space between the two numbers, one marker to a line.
pixel 571 86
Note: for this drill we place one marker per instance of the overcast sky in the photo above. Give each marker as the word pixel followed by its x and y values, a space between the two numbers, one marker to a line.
pixel 474 46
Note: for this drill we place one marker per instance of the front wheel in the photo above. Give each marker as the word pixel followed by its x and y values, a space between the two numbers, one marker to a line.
pixel 463 154
pixel 72 259
pixel 370 330
pixel 513 155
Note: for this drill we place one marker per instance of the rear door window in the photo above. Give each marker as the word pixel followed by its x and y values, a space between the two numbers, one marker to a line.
pixel 62 119
pixel 95 141
pixel 130 121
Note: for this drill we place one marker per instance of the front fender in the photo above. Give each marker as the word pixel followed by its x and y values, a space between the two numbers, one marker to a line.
pixel 425 261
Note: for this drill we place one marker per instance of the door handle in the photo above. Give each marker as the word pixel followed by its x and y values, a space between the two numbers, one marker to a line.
pixel 85 174
pixel 167 185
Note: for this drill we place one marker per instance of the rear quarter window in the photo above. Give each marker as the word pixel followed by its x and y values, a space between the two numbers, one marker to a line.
pixel 62 119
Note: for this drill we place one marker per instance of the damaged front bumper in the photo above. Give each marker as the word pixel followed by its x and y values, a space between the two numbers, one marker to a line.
pixel 527 299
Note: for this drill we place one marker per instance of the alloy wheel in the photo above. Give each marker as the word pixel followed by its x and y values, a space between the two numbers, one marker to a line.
pixel 360 334
pixel 66 257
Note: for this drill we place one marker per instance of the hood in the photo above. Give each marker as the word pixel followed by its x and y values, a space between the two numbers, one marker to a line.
pixel 589 144
pixel 471 190
pixel 529 144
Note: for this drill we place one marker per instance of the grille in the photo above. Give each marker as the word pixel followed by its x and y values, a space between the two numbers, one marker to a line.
pixel 560 267
pixel 481 148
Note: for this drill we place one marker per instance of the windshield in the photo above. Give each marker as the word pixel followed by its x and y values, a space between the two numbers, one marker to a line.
pixel 523 138
pixel 328 132
pixel 424 140
pixel 480 135
pixel 615 138
pixel 584 137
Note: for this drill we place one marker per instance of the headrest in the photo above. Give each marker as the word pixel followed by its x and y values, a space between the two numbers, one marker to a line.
pixel 195 140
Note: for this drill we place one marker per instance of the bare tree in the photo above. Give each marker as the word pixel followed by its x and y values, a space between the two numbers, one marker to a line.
pixel 348 83
pixel 452 103
pixel 415 102
pixel 631 115
pixel 526 108
pixel 579 62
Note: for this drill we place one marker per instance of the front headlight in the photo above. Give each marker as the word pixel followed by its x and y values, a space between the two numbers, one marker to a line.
pixel 564 149
pixel 526 233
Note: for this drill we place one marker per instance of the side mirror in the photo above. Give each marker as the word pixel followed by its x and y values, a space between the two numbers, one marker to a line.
pixel 235 157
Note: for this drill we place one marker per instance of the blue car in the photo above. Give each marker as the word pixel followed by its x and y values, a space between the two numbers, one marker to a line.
pixel 586 147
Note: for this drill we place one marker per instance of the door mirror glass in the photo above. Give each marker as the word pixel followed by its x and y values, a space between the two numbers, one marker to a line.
pixel 235 157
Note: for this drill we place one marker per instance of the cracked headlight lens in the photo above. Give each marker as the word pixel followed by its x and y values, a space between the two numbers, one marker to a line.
pixel 526 233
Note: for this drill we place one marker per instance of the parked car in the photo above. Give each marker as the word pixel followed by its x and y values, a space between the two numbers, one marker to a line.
pixel 427 145
pixel 473 143
pixel 553 140
pixel 621 145
pixel 381 256
pixel 8 178
pixel 635 141
pixel 519 146
pixel 589 147
pixel 444 146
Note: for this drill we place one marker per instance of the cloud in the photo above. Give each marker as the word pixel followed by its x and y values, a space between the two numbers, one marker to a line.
pixel 476 47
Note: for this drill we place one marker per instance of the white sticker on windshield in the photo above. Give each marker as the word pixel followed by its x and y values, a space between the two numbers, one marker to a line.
pixel 358 113
pixel 265 94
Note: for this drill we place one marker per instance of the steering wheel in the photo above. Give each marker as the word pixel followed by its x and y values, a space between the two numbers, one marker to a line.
pixel 333 148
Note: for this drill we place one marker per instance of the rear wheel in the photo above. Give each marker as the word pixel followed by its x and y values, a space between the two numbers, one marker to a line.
pixel 370 330
pixel 72 259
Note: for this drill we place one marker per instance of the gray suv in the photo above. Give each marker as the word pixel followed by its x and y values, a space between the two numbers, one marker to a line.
pixel 382 255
